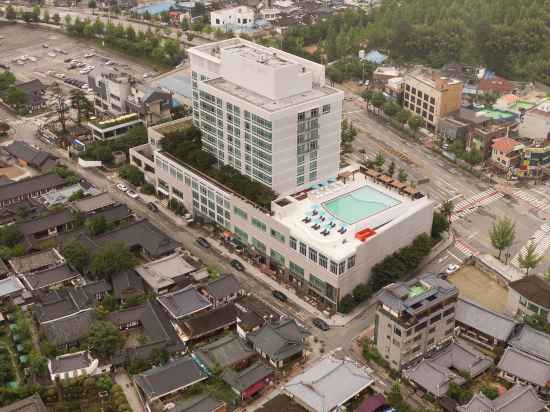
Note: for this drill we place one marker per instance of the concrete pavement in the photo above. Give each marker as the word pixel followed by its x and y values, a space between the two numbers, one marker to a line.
pixel 122 379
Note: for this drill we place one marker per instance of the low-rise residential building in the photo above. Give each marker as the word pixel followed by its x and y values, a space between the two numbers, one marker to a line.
pixel 29 188
pixel 535 124
pixel 72 365
pixel 200 403
pixel 527 360
pixel 431 96
pixel 32 403
pixel 435 374
pixel 50 278
pixel 223 290
pixel 158 383
pixel 506 154
pixel 414 318
pixel 233 18
pixel 127 285
pixel 184 303
pixel 227 352
pixel 33 91
pixel 249 381
pixel 329 384
pixel 536 160
pixel 483 326
pixel 92 204
pixel 29 156
pixel 207 324
pixel 34 262
pixel 10 287
pixel 529 296
pixel 252 314
pixel 166 273
pixel 279 342
pixel 48 226
pixel 518 398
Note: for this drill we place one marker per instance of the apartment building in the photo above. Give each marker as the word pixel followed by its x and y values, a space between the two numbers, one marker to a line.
pixel 431 96
pixel 414 318
pixel 118 93
pixel 266 113
pixel 233 18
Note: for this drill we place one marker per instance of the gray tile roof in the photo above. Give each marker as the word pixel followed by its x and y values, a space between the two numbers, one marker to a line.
pixel 52 220
pixel 92 203
pixel 224 352
pixel 62 303
pixel 127 284
pixel 184 302
pixel 463 357
pixel 31 404
pixel 525 366
pixel 29 154
pixel 485 320
pixel 252 312
pixel 68 330
pixel 166 271
pixel 31 185
pixel 70 362
pixel 211 321
pixel 173 376
pixel 244 379
pixel 114 214
pixel 532 341
pixel 49 277
pixel 279 340
pixel 201 403
pixel 223 287
pixel 328 384
pixel 518 398
pixel 432 377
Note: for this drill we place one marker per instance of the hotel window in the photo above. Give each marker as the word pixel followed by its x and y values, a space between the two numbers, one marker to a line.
pixel 334 267
pixel 259 224
pixel 303 248
pixel 313 255
pixel 241 213
pixel 277 236
pixel 351 262
pixel 326 108
pixel 292 242
pixel 323 261
pixel 295 269
pixel 241 234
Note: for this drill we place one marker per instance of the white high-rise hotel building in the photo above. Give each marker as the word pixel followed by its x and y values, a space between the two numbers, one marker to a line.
pixel 271 116
pixel 267 113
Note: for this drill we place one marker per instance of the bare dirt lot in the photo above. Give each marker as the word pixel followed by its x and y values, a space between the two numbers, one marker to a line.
pixel 479 287
pixel 21 40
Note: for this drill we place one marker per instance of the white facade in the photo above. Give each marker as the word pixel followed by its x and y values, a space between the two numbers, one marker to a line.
pixel 327 266
pixel 76 364
pixel 241 16
pixel 266 113
pixel 536 123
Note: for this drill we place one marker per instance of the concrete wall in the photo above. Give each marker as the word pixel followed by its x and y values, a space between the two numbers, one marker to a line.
pixel 535 126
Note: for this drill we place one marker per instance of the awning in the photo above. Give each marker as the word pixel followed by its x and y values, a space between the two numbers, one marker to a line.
pixel 258 386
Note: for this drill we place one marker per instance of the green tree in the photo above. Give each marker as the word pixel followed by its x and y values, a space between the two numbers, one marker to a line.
pixel 132 174
pixel 403 116
pixel 92 4
pixel 15 97
pixel 38 363
pixel 390 108
pixel 379 161
pixel 529 259
pixel 184 25
pixel 439 225
pixel 10 13
pixel 68 20
pixel 547 274
pixel 97 225
pixel 81 103
pixel 489 391
pixel 502 234
pixel 447 208
pixel 35 13
pixel 76 255
pixel 10 235
pixel 112 257
pixel 7 79
pixel 402 175
pixel 415 122
pixel 56 18
pixel 347 304
pixel 104 339
pixel 378 100
pixel 348 134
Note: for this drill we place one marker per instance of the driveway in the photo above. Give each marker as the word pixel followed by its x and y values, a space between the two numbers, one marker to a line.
pixel 122 379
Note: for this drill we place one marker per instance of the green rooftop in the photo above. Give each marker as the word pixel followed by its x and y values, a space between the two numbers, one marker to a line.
pixel 416 290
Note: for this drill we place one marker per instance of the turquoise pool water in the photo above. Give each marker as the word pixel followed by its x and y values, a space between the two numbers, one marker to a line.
pixel 359 205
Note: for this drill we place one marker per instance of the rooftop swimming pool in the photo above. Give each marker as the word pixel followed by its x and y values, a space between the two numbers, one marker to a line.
pixel 359 204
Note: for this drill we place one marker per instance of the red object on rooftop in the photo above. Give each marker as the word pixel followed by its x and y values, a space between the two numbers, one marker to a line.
pixel 364 234
pixel 252 390
pixel 372 404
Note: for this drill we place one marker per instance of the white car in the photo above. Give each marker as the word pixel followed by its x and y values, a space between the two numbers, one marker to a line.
pixel 122 187
pixel 52 54
pixel 108 62
pixel 132 194
pixel 89 55
pixel 452 268
pixel 83 72
pixel 84 86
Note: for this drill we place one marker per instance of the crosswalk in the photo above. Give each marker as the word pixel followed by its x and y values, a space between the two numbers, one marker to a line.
pixel 466 249
pixel 532 200
pixel 470 205
pixel 541 239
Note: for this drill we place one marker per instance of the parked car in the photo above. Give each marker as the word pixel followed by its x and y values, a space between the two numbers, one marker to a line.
pixel 45 45
pixel 321 324
pixel 152 207
pixel 132 194
pixel 237 265
pixel 203 242
pixel 452 268
pixel 279 296
pixel 122 187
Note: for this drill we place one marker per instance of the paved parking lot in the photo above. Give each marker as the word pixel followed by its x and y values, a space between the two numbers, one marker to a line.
pixel 44 63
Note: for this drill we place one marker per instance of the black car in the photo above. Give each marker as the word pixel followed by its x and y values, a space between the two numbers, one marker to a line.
pixel 203 242
pixel 321 324
pixel 152 207
pixel 237 265
pixel 279 295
